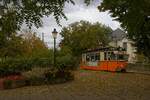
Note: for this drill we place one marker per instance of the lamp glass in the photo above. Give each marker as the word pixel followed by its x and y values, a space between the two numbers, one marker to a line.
pixel 54 33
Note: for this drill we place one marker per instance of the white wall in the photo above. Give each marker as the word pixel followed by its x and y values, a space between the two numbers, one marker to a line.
pixel 130 49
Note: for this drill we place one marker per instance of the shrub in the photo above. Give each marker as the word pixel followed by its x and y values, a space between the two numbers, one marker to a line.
pixel 58 76
pixel 51 77
pixel 35 81
pixel 65 60
pixel 35 76
pixel 12 66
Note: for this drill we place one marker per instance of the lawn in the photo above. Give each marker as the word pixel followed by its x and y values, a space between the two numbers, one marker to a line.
pixel 88 85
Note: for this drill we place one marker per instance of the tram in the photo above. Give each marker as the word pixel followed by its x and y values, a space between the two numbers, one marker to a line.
pixel 105 59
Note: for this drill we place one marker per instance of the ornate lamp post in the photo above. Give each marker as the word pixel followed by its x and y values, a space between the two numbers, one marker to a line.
pixel 54 33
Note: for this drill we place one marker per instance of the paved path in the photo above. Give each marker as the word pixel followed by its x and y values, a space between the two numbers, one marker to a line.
pixel 88 85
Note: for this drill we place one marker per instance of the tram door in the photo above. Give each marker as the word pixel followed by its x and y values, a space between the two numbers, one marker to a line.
pixel 92 59
pixel 109 60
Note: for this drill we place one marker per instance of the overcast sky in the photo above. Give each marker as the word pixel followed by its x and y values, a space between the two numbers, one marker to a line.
pixel 74 13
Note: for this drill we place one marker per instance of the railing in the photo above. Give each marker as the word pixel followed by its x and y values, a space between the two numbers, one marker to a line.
pixel 139 67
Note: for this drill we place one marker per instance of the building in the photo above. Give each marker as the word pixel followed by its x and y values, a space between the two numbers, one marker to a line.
pixel 119 39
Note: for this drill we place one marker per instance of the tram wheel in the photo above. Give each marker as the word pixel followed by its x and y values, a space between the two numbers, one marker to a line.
pixel 123 70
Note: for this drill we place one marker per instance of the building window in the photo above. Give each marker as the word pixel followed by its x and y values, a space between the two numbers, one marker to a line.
pixel 125 45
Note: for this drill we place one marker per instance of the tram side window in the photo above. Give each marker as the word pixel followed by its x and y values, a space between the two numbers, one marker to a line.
pixel 113 56
pixel 87 57
pixel 109 55
pixel 97 57
pixel 105 56
pixel 93 57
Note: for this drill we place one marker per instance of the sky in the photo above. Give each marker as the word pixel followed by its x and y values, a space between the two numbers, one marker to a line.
pixel 74 13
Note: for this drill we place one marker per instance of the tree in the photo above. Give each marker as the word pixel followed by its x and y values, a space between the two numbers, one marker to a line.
pixel 33 46
pixel 13 13
pixel 134 16
pixel 12 47
pixel 26 45
pixel 83 35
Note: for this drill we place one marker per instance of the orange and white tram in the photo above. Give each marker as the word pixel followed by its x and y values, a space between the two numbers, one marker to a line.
pixel 106 59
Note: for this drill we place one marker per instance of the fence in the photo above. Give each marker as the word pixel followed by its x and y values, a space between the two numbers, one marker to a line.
pixel 140 67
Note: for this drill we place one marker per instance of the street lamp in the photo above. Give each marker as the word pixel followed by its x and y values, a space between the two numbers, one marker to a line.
pixel 54 33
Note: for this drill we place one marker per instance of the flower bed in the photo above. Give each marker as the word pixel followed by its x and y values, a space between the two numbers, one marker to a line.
pixel 50 77
pixel 12 81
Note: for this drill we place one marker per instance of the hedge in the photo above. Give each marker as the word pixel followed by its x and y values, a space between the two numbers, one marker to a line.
pixel 11 66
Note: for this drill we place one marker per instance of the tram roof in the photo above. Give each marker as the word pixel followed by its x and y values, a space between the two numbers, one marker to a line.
pixel 104 49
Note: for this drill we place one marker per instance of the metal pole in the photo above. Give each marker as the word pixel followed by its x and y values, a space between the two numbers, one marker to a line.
pixel 54 51
pixel 43 37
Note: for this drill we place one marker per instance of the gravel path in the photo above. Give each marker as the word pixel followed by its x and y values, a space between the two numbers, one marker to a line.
pixel 88 85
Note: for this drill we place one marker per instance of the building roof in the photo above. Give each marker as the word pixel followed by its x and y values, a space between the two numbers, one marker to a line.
pixel 118 34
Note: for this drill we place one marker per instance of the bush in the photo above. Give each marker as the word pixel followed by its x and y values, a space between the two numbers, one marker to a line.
pixel 11 66
pixel 58 76
pixel 50 76
pixel 35 81
pixel 65 60
pixel 35 76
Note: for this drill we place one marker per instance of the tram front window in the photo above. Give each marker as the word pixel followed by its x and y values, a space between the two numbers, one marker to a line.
pixel 122 57
pixel 126 57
